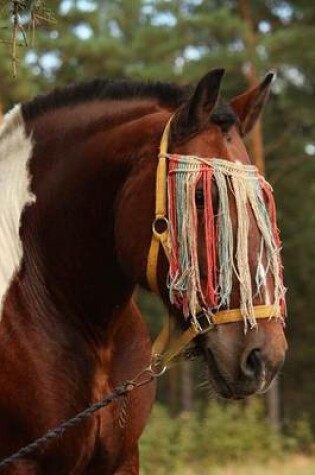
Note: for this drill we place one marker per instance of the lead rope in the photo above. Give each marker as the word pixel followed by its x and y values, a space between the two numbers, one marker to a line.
pixel 144 377
pixel 163 355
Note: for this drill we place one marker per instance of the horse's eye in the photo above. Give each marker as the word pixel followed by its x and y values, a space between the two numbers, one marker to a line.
pixel 199 198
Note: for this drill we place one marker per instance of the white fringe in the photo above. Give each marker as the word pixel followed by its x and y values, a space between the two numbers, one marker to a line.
pixel 240 183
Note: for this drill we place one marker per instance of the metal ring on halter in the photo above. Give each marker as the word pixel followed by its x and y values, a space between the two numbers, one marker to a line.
pixel 160 221
pixel 155 363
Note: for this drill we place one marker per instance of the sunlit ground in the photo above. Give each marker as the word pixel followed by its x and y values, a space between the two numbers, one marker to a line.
pixel 225 440
pixel 293 465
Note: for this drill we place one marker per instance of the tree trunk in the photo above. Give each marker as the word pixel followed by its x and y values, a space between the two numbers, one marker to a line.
pixel 256 145
pixel 102 17
pixel 273 405
pixel 257 151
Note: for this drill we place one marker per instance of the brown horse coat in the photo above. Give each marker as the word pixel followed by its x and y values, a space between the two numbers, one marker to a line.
pixel 70 330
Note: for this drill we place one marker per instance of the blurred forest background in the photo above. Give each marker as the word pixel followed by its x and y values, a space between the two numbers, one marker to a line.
pixel 179 41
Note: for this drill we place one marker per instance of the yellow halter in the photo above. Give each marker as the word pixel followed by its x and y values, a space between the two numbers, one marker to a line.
pixel 160 231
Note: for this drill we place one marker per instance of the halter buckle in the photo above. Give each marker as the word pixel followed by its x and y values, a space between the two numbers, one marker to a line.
pixel 202 322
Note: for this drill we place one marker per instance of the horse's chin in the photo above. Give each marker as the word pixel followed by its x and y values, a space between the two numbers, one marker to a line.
pixel 222 385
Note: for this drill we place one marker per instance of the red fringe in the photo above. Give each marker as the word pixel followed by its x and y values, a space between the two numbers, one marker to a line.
pixel 174 260
pixel 210 237
pixel 208 294
pixel 271 206
pixel 208 297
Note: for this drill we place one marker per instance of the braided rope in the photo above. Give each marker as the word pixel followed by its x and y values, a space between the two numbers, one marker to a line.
pixel 74 421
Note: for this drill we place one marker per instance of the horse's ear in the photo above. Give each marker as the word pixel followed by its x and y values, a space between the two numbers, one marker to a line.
pixel 196 112
pixel 248 106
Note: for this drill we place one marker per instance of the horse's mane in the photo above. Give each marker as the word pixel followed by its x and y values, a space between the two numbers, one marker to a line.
pixel 168 94
pixel 106 89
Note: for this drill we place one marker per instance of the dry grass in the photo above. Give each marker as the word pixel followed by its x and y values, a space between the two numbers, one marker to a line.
pixel 294 465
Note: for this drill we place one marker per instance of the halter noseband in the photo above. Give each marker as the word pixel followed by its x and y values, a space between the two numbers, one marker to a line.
pixel 160 237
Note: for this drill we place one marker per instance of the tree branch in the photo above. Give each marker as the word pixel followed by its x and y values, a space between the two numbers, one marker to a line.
pixel 33 12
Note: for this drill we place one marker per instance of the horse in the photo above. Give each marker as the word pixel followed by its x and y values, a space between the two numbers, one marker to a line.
pixel 78 171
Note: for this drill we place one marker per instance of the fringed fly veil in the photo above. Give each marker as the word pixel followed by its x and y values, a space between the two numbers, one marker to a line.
pixel 227 249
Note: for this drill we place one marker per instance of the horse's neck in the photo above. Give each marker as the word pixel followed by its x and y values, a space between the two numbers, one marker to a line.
pixel 69 233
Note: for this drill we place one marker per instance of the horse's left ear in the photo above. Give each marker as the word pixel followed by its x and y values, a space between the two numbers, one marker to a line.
pixel 196 111
pixel 248 106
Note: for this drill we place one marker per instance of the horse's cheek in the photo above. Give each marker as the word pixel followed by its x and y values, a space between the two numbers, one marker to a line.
pixel 133 229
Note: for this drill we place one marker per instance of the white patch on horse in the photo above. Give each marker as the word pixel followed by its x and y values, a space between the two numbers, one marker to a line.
pixel 15 194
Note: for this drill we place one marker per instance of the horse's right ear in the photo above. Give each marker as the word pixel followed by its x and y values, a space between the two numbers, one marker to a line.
pixel 249 106
pixel 196 112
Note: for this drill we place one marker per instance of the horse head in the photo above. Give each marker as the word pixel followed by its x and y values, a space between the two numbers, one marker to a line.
pixel 215 216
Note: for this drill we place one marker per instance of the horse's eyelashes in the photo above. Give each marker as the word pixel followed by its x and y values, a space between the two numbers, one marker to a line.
pixel 215 199
pixel 199 198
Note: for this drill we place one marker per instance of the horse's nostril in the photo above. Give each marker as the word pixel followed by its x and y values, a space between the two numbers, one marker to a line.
pixel 252 364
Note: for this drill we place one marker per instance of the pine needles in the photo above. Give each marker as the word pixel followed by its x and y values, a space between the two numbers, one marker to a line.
pixel 24 16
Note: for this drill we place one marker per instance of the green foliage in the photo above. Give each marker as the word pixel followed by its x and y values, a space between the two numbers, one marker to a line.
pixel 153 310
pixel 22 17
pixel 239 433
pixel 300 437
pixel 223 433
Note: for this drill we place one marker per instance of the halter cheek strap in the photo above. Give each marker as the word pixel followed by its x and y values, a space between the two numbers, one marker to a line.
pixel 160 223
pixel 160 238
